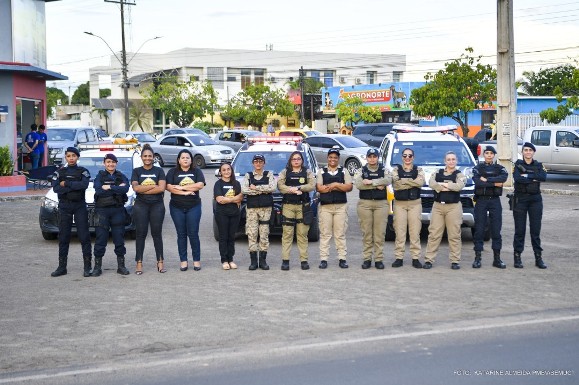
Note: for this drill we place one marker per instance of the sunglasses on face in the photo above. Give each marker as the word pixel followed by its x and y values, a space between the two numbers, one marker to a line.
pixel 407 156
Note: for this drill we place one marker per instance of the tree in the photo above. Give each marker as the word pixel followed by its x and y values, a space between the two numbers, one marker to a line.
pixel 181 102
pixel 140 117
pixel 53 95
pixel 104 93
pixel 550 81
pixel 456 90
pixel 352 111
pixel 82 94
pixel 311 85
pixel 571 87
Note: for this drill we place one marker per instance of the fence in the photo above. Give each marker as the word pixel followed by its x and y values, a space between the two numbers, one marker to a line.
pixel 525 121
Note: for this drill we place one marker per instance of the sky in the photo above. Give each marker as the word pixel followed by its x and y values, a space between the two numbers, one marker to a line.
pixel 428 32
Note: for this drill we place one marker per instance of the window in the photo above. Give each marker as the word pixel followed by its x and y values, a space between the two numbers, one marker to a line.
pixel 245 78
pixel 329 143
pixel 82 136
pixel 328 79
pixel 397 76
pixel 371 77
pixel 259 77
pixel 565 139
pixel 313 142
pixel 172 141
pixel 381 131
pixel 215 76
pixel 90 135
pixel 541 138
pixel 315 75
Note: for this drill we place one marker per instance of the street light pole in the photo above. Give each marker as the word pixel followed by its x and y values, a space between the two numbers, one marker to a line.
pixel 124 69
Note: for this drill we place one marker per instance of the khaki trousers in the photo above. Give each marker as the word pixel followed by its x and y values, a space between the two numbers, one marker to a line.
pixel 291 211
pixel 253 228
pixel 333 221
pixel 407 220
pixel 450 216
pixel 372 216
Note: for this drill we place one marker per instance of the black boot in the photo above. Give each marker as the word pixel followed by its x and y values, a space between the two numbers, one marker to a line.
pixel 87 265
pixel 518 262
pixel 497 260
pixel 98 263
pixel 253 258
pixel 61 269
pixel 477 257
pixel 539 261
pixel 121 269
pixel 262 263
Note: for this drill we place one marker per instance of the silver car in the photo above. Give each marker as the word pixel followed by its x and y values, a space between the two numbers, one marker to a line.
pixel 352 150
pixel 205 151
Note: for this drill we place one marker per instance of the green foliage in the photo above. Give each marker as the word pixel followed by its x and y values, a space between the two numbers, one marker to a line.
pixel 456 90
pixel 140 117
pixel 181 102
pixel 104 93
pixel 82 94
pixel 6 161
pixel 311 85
pixel 550 81
pixel 555 115
pixel 54 94
pixel 352 111
pixel 203 125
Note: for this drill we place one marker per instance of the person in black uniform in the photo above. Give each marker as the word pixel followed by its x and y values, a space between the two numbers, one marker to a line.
pixel 111 187
pixel 70 183
pixel 528 175
pixel 488 180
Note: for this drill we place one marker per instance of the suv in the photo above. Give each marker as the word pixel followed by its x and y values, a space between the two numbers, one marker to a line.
pixel 276 152
pixel 373 133
pixel 59 138
pixel 430 144
pixel 236 138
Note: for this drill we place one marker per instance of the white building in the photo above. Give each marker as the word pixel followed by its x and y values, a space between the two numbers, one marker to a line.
pixel 231 70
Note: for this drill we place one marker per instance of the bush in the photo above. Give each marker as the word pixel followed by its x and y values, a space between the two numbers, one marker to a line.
pixel 6 162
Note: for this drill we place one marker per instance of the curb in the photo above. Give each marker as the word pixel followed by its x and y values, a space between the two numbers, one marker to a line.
pixel 21 198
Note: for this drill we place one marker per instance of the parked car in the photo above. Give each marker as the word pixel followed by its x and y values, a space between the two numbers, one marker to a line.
pixel 483 135
pixel 276 153
pixel 557 147
pixel 92 160
pixel 205 151
pixel 236 138
pixel 296 132
pixel 352 150
pixel 59 138
pixel 373 133
pixel 103 135
pixel 142 137
pixel 187 130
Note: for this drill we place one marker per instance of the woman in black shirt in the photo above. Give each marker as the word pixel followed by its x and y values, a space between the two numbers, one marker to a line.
pixel 184 182
pixel 148 182
pixel 228 196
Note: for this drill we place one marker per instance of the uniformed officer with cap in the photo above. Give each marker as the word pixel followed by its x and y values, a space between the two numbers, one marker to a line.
pixel 333 182
pixel 488 178
pixel 111 187
pixel 528 175
pixel 258 186
pixel 372 209
pixel 70 183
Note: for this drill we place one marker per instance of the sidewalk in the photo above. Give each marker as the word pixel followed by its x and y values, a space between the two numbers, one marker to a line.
pixel 29 194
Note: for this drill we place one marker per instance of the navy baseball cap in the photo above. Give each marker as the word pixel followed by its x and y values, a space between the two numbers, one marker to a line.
pixel 74 150
pixel 111 157
pixel 491 149
pixel 258 157
pixel 372 151
pixel 334 151
pixel 530 145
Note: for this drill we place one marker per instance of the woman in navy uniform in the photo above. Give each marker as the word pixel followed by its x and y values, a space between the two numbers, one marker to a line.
pixel 528 175
pixel 70 183
pixel 111 187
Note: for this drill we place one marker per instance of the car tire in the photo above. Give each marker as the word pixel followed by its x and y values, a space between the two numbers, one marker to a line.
pixel 352 165
pixel 314 232
pixel 199 161
pixel 215 230
pixel 159 159
pixel 49 236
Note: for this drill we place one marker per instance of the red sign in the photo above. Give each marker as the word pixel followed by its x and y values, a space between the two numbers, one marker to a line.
pixel 295 96
pixel 369 96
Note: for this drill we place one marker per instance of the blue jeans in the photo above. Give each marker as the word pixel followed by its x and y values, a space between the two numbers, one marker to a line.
pixel 187 225
pixel 34 158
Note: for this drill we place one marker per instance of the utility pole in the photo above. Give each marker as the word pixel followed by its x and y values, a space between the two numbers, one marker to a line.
pixel 506 89
pixel 302 96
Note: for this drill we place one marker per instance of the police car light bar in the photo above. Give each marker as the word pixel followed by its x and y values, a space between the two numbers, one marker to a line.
pixel 442 129
pixel 276 139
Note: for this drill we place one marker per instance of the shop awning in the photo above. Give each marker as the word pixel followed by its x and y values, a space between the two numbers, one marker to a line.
pixel 30 70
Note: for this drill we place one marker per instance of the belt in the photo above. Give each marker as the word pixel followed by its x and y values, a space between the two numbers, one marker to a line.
pixel 485 197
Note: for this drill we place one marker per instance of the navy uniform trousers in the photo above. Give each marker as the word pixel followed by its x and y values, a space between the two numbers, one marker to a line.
pixel 492 206
pixel 69 211
pixel 112 218
pixel 531 205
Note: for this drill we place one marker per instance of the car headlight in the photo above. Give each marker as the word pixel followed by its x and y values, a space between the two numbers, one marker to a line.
pixel 49 204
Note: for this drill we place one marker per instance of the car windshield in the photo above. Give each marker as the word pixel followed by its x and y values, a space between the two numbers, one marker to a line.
pixel 311 133
pixel 361 130
pixel 94 164
pixel 60 134
pixel 432 153
pixel 144 137
pixel 350 142
pixel 199 140
pixel 275 161
pixel 196 131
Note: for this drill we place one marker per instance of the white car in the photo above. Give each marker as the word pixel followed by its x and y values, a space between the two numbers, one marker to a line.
pixel 204 150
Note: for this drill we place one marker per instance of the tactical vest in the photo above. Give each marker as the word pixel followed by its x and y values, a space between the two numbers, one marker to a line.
pixel 110 199
pixel 73 174
pixel 488 171
pixel 412 193
pixel 259 200
pixel 529 188
pixel 333 196
pixel 373 194
pixel 294 179
pixel 446 196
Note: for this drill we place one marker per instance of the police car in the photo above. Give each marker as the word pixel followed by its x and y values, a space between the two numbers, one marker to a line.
pixel 430 144
pixel 276 151
pixel 91 158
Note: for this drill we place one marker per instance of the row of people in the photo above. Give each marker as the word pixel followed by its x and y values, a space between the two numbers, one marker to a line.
pixel 295 182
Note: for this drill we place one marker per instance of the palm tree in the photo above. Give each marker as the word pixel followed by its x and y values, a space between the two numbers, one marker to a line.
pixel 141 117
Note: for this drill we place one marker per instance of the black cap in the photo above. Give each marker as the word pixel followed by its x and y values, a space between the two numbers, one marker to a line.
pixel 258 157
pixel 372 151
pixel 334 151
pixel 491 149
pixel 530 145
pixel 73 150
pixel 111 157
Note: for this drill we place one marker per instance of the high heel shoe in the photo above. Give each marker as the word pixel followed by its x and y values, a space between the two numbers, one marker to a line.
pixel 139 269
pixel 225 266
pixel 232 265
pixel 184 268
pixel 196 266
pixel 160 267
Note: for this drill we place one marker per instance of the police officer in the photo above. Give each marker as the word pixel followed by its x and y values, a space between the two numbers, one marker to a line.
pixel 528 175
pixel 407 181
pixel 446 212
pixel 488 178
pixel 258 186
pixel 372 209
pixel 70 183
pixel 295 182
pixel 333 183
pixel 111 187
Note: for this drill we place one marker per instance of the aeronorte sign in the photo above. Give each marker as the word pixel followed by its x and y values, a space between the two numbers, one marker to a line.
pixel 368 96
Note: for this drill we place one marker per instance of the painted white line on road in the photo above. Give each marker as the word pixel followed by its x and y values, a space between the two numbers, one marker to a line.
pixel 285 349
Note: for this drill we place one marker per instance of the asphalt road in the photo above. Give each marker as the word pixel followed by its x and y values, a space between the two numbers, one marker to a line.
pixel 218 326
